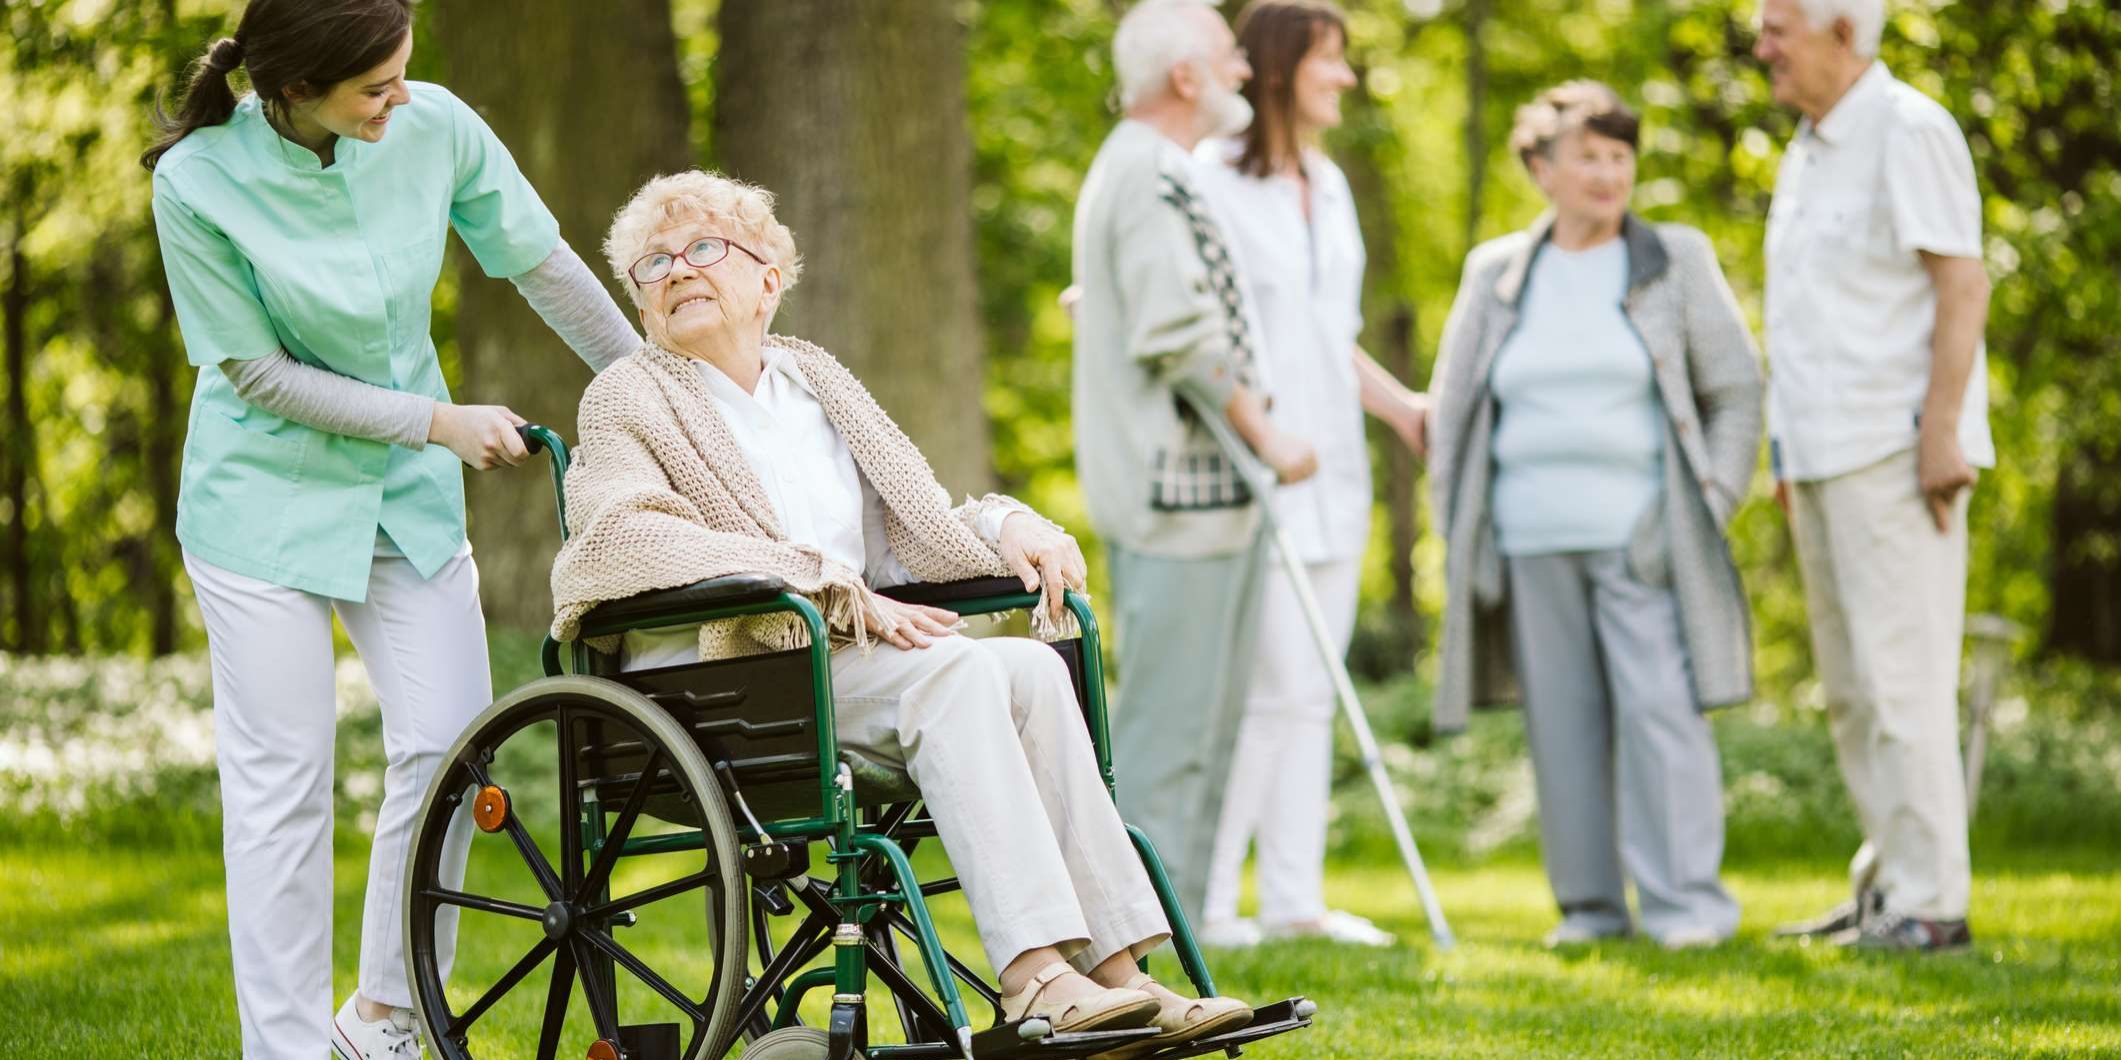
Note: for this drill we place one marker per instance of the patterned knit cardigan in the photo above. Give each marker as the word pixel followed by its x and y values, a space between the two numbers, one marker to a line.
pixel 659 495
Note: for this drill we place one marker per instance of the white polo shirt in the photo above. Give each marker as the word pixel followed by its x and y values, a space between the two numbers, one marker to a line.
pixel 1850 308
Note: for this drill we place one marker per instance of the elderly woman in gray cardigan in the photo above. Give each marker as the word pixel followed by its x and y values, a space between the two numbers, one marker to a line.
pixel 1597 418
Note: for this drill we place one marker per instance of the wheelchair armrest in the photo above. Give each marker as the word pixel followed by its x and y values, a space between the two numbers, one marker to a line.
pixel 944 594
pixel 725 591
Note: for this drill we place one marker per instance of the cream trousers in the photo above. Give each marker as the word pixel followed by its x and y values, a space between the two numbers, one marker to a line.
pixel 990 731
pixel 1281 778
pixel 424 645
pixel 1887 596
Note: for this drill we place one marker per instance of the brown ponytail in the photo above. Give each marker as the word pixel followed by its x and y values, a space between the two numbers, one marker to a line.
pixel 207 100
pixel 283 45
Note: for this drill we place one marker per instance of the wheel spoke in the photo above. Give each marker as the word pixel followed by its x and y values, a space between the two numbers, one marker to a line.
pixel 602 1010
pixel 481 903
pixel 525 846
pixel 647 975
pixel 570 808
pixel 600 872
pixel 462 1022
pixel 704 877
pixel 556 998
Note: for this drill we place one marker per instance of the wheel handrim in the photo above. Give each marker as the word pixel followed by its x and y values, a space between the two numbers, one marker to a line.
pixel 575 906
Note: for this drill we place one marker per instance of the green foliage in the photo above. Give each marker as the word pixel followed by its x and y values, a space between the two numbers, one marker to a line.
pixel 2032 83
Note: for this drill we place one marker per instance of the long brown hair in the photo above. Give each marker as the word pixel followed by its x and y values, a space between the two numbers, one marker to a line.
pixel 309 45
pixel 1276 35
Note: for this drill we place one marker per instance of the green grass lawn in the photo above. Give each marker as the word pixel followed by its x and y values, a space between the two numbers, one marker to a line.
pixel 113 940
pixel 122 953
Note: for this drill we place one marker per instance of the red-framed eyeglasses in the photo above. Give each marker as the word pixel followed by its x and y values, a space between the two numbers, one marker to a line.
pixel 703 253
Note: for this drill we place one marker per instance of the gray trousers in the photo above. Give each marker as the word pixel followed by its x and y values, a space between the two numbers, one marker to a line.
pixel 1626 767
pixel 1186 629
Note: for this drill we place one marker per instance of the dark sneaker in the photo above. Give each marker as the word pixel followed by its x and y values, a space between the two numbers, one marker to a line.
pixel 1894 932
pixel 1848 916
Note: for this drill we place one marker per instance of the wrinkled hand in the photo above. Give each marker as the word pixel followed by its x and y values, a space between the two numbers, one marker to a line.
pixel 483 436
pixel 1943 470
pixel 1047 560
pixel 1292 459
pixel 910 626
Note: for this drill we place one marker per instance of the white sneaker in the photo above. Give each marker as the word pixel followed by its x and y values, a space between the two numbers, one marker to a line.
pixel 1694 938
pixel 1336 926
pixel 1575 930
pixel 1240 933
pixel 394 1037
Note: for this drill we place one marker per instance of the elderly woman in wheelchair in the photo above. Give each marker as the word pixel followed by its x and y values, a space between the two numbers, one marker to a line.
pixel 746 479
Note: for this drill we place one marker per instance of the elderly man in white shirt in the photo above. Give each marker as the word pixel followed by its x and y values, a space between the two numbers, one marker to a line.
pixel 1877 417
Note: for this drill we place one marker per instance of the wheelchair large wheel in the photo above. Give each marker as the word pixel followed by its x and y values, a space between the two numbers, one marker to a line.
pixel 516 865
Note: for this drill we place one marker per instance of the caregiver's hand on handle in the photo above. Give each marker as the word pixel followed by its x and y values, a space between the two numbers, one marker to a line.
pixel 483 436
pixel 1047 560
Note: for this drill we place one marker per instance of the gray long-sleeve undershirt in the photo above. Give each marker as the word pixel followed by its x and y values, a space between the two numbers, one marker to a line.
pixel 561 288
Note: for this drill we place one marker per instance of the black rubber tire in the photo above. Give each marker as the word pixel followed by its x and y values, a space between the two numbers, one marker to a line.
pixel 517 710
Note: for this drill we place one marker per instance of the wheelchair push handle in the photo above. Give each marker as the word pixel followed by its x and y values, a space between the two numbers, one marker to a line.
pixel 536 439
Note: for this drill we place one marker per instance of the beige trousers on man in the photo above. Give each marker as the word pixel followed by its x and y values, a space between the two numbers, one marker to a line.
pixel 1887 596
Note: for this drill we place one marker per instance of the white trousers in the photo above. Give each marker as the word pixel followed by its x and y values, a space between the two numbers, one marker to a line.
pixel 424 644
pixel 1281 776
pixel 990 731
pixel 1887 599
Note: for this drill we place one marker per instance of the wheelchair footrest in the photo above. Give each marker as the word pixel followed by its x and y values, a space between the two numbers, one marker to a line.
pixel 650 1041
pixel 1280 1017
pixel 1034 1037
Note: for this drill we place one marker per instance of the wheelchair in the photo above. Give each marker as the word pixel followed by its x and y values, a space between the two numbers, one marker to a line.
pixel 642 832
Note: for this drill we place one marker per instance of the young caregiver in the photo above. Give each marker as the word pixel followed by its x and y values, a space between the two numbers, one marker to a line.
pixel 302 229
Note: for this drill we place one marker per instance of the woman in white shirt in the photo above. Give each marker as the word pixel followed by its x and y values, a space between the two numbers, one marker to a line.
pixel 1300 251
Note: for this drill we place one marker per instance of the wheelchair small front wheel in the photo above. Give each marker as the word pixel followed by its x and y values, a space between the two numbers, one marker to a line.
pixel 792 1043
pixel 575 827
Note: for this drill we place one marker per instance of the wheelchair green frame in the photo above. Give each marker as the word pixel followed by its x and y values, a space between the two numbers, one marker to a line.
pixel 872 880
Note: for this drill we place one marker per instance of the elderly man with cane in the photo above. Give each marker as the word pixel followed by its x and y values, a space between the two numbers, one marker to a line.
pixel 1162 319
pixel 1878 415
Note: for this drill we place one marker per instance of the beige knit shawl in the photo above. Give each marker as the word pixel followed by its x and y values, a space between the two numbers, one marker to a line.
pixel 660 495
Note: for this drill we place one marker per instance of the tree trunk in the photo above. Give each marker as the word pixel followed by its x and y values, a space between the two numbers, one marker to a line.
pixel 1477 14
pixel 853 115
pixel 163 450
pixel 21 455
pixel 587 98
pixel 1387 334
pixel 2084 582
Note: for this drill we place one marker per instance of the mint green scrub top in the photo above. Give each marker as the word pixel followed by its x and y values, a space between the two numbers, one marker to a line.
pixel 267 250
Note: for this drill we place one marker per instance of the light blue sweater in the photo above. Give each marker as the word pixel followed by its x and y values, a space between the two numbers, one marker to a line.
pixel 1579 440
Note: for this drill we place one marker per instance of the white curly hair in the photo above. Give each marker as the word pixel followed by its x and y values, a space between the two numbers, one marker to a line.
pixel 746 210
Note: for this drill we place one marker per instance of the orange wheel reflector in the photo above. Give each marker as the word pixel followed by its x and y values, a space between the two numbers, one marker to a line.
pixel 602 1049
pixel 490 810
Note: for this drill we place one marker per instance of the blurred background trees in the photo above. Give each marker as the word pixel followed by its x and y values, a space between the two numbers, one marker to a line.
pixel 927 154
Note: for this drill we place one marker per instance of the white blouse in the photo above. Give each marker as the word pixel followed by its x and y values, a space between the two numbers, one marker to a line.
pixel 820 495
pixel 1305 278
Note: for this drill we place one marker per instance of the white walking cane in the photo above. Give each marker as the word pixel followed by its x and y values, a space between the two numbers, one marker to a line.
pixel 1262 481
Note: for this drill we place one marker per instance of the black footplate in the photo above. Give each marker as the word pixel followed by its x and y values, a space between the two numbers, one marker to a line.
pixel 1036 1037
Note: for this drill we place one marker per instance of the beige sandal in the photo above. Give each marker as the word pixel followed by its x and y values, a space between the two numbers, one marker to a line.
pixel 1180 1018
pixel 1106 1009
